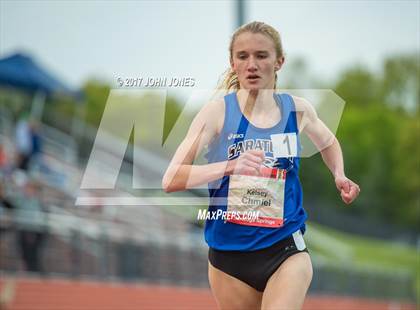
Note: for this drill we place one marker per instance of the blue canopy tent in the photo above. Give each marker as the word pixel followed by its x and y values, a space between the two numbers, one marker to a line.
pixel 22 72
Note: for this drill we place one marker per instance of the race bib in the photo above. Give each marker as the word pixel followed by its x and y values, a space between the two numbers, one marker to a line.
pixel 257 200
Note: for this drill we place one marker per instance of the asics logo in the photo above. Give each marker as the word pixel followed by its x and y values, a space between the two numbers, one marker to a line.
pixel 235 136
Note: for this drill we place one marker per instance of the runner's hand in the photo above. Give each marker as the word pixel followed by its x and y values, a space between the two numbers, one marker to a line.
pixel 249 163
pixel 347 188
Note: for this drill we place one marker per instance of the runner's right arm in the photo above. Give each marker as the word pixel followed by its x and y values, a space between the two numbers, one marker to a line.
pixel 206 126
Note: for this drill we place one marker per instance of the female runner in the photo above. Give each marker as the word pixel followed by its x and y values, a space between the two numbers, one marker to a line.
pixel 257 254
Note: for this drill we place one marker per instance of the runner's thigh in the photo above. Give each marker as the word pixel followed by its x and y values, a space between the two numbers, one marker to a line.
pixel 287 287
pixel 231 293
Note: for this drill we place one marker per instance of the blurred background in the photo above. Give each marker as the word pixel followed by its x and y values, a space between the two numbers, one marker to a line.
pixel 59 63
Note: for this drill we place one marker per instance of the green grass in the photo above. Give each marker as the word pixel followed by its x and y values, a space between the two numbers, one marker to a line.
pixel 373 253
pixel 378 252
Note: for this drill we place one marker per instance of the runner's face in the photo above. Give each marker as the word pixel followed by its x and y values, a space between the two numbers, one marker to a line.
pixel 254 61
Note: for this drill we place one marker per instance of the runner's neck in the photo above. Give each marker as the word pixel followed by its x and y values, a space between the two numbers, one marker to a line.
pixel 262 103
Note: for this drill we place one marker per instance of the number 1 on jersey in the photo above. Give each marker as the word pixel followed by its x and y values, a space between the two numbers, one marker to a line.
pixel 284 144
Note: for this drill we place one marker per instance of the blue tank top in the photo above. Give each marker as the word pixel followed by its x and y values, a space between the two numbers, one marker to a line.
pixel 224 235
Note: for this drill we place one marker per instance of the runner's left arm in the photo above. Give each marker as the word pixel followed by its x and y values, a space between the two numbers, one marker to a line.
pixel 329 147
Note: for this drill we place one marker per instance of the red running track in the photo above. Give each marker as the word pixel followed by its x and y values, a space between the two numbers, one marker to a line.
pixel 53 294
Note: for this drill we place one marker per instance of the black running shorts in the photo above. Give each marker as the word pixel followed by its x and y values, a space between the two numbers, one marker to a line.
pixel 255 267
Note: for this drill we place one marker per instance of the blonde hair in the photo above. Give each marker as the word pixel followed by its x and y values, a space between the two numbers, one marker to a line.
pixel 229 79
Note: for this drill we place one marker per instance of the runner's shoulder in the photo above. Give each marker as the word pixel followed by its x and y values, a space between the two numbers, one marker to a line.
pixel 304 105
pixel 213 113
pixel 305 111
pixel 215 105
